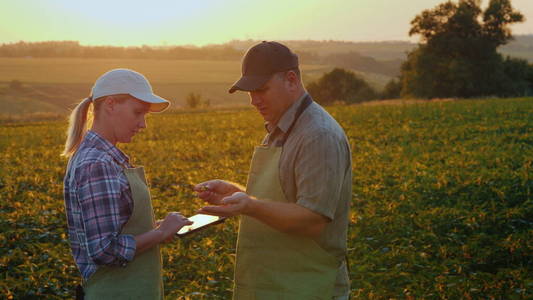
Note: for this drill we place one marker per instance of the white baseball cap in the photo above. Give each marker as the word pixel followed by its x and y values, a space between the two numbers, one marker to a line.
pixel 126 81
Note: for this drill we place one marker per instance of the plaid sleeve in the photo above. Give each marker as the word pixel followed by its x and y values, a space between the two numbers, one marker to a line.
pixel 99 195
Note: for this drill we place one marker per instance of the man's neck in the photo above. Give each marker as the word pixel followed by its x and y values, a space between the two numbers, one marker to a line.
pixel 292 100
pixel 272 125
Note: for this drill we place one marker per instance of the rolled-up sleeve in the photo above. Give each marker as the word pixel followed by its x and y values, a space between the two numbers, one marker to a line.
pixel 319 171
pixel 99 192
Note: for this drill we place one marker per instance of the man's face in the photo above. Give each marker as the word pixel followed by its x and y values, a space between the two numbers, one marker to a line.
pixel 272 99
pixel 129 119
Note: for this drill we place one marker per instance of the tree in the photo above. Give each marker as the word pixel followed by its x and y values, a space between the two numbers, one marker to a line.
pixel 341 85
pixel 457 55
pixel 206 103
pixel 15 85
pixel 392 89
pixel 519 81
pixel 193 100
pixel 530 77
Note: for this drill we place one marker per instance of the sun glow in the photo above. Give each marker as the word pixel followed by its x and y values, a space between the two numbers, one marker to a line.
pixel 178 22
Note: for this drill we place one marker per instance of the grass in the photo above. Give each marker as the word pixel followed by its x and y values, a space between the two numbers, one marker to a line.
pixel 442 203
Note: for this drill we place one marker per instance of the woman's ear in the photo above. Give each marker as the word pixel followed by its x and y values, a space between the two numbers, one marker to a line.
pixel 108 104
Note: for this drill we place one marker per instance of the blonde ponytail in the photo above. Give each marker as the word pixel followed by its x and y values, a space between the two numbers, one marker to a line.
pixel 77 127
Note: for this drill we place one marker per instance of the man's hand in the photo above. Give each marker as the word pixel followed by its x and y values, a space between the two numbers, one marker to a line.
pixel 213 191
pixel 229 199
pixel 236 204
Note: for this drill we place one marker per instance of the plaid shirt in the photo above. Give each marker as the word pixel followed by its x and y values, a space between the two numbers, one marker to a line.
pixel 98 204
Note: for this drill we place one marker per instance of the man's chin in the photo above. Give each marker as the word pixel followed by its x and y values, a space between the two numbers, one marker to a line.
pixel 265 117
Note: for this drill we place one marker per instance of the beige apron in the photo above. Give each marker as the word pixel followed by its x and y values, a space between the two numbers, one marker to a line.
pixel 272 265
pixel 142 277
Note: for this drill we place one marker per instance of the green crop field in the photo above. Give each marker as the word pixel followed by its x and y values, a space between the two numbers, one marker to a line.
pixel 442 202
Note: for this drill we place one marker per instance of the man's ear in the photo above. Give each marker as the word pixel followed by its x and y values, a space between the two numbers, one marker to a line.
pixel 292 79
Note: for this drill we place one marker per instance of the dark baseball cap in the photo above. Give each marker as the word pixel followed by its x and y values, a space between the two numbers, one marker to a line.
pixel 261 62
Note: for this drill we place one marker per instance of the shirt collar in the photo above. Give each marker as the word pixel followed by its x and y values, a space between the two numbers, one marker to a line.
pixel 288 116
pixel 93 139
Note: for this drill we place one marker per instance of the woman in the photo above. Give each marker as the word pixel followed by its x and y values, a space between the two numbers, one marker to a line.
pixel 113 236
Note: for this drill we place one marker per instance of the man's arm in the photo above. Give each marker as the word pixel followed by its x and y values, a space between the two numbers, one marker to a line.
pixel 319 175
pixel 289 218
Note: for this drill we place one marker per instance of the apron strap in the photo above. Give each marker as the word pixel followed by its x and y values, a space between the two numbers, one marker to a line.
pixel 305 103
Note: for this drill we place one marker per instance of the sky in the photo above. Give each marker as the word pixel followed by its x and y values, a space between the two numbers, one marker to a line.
pixel 201 22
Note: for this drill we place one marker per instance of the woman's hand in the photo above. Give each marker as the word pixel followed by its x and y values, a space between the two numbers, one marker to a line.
pixel 172 223
pixel 213 191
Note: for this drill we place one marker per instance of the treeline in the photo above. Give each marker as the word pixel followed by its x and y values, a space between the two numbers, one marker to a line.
pixel 380 50
pixel 74 49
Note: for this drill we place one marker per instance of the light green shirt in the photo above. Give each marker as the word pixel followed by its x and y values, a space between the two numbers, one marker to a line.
pixel 316 173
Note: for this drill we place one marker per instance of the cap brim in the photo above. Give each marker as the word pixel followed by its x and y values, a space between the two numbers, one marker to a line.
pixel 157 104
pixel 249 83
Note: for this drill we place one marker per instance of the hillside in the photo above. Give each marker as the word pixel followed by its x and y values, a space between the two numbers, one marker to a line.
pixel 386 50
pixel 55 85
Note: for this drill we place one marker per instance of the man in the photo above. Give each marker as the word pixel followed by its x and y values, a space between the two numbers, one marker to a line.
pixel 292 234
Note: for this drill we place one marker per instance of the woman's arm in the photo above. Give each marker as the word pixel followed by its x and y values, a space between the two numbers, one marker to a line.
pixel 102 207
pixel 163 233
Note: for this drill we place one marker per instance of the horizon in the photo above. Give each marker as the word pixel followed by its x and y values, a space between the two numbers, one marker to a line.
pixel 227 42
pixel 239 41
pixel 166 23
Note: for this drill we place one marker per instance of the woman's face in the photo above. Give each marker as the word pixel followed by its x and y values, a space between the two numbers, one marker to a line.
pixel 128 119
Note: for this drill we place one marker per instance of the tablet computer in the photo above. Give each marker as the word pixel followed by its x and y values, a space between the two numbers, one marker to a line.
pixel 201 221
